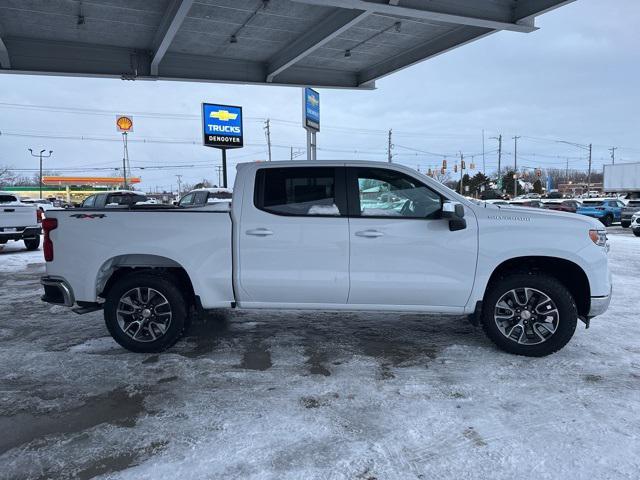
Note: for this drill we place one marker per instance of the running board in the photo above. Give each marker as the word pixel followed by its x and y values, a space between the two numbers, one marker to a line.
pixel 87 308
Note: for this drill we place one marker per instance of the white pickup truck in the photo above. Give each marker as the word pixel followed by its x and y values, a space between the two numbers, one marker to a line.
pixel 332 236
pixel 19 221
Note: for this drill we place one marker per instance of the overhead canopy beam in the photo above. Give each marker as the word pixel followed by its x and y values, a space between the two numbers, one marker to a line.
pixel 329 28
pixel 421 11
pixel 169 26
pixel 527 9
pixel 423 51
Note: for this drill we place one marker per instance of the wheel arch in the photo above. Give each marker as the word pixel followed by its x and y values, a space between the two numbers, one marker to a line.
pixel 570 274
pixel 119 266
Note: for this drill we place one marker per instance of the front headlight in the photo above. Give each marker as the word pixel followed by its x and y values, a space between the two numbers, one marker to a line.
pixel 599 237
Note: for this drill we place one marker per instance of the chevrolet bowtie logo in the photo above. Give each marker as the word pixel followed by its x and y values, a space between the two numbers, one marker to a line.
pixel 223 115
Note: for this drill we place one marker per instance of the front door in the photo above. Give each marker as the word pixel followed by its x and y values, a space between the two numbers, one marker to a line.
pixel 402 251
pixel 294 242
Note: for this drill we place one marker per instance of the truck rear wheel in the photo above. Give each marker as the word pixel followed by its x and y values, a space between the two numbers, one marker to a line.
pixel 625 224
pixel 145 312
pixel 32 243
pixel 531 315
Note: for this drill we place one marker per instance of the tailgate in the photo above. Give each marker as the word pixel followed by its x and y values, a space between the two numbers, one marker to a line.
pixel 12 216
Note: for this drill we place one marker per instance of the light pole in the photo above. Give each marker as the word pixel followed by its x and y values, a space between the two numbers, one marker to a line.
pixel 41 156
pixel 588 148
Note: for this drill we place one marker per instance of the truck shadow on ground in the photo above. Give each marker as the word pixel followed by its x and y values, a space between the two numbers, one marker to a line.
pixel 393 339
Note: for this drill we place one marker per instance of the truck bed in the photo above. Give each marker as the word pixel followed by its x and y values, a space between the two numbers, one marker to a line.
pixel 87 241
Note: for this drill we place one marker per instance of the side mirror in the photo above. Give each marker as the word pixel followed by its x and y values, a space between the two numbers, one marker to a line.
pixel 454 211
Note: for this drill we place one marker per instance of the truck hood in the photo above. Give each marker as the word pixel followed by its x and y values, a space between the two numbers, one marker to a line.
pixel 548 215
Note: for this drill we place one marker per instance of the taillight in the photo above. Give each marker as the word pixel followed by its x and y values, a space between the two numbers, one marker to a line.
pixel 48 224
pixel 39 215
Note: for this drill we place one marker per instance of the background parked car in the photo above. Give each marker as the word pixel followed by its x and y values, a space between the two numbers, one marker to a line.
pixel 207 196
pixel 635 224
pixel 562 205
pixel 632 207
pixel 497 201
pixel 532 203
pixel 607 210
pixel 114 198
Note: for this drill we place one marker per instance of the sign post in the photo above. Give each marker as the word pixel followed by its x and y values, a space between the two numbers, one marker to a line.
pixel 311 119
pixel 124 124
pixel 222 128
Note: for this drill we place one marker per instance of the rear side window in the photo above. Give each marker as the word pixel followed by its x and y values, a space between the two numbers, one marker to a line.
pixel 125 199
pixel 632 203
pixel 89 201
pixel 7 198
pixel 304 191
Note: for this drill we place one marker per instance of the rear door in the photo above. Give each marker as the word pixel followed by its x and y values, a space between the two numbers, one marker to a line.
pixel 402 251
pixel 294 238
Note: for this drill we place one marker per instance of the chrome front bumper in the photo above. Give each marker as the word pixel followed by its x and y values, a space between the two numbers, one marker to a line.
pixel 599 305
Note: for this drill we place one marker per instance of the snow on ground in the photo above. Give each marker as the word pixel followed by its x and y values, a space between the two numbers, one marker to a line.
pixel 272 395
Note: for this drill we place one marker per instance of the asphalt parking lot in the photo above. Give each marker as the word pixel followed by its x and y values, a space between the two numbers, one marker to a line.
pixel 295 395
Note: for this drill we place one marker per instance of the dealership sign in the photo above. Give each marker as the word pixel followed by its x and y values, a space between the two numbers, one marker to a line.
pixel 222 126
pixel 311 113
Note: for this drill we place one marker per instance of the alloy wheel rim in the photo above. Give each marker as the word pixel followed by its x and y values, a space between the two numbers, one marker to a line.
pixel 526 316
pixel 144 314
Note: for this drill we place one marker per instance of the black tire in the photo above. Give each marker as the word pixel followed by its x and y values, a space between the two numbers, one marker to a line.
pixel 637 232
pixel 625 224
pixel 32 243
pixel 556 291
pixel 166 286
pixel 607 220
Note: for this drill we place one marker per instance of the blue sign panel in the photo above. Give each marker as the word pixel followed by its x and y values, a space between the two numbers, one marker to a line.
pixel 222 126
pixel 311 109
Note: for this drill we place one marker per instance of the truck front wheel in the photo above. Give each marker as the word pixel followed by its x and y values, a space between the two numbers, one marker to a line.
pixel 145 312
pixel 531 315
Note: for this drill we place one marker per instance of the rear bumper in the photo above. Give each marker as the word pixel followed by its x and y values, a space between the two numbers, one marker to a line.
pixel 57 291
pixel 599 305
pixel 27 233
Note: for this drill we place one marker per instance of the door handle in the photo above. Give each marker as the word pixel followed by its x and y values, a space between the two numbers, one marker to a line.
pixel 259 232
pixel 369 233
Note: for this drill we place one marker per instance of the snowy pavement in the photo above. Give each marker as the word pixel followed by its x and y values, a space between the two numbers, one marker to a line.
pixel 273 395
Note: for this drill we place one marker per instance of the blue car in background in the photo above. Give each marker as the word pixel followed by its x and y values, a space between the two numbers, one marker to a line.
pixel 606 210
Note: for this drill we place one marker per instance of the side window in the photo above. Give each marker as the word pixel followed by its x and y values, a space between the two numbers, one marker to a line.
pixel 201 198
pixel 187 200
pixel 298 191
pixel 386 193
pixel 89 201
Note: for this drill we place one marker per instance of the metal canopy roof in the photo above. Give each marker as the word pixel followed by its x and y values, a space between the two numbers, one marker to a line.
pixel 330 43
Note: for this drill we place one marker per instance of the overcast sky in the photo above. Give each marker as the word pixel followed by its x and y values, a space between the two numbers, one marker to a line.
pixel 575 79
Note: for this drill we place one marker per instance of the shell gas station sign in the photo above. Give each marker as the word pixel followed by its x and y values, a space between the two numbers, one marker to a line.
pixel 124 123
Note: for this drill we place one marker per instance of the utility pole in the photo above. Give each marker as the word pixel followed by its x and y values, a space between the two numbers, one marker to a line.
pixel 484 170
pixel 515 166
pixel 566 172
pixel 267 132
pixel 499 139
pixel 219 169
pixel 461 173
pixel 179 184
pixel 40 156
pixel 613 154
pixel 589 174
pixel 389 147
